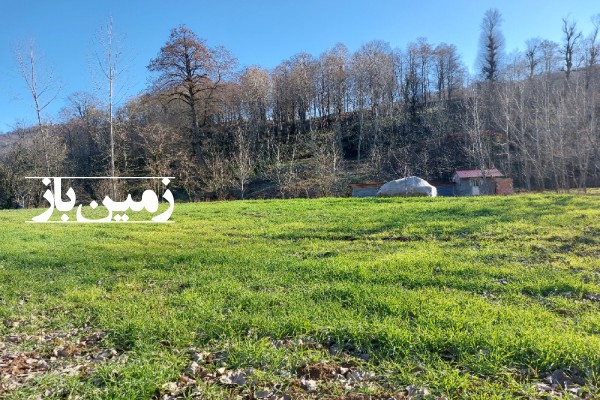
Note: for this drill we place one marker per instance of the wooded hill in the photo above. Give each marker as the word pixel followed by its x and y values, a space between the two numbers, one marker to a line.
pixel 313 124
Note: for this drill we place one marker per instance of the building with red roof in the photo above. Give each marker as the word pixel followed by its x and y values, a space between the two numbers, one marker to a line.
pixel 476 182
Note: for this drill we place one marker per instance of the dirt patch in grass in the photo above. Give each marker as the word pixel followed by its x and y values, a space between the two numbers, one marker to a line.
pixel 71 353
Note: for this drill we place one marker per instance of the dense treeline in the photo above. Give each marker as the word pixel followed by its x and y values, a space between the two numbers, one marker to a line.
pixel 311 125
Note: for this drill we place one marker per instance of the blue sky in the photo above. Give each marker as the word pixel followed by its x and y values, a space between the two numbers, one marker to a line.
pixel 257 33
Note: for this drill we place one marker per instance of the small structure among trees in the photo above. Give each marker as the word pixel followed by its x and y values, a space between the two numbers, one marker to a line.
pixel 476 182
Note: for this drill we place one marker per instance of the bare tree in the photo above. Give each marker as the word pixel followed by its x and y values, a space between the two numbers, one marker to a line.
pixel 592 45
pixel 219 172
pixel 448 69
pixel 44 89
pixel 550 53
pixel 476 144
pixel 191 72
pixel 333 85
pixel 491 45
pixel 109 63
pixel 571 37
pixel 372 72
pixel 6 195
pixel 243 159
pixel 303 80
pixel 532 55
pixel 83 120
pixel 256 93
pixel 108 56
pixel 256 89
pixel 328 164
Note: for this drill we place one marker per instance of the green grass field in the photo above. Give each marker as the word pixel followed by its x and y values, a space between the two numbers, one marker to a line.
pixel 331 298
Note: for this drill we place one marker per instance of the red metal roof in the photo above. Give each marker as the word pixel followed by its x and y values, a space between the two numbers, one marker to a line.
pixel 478 173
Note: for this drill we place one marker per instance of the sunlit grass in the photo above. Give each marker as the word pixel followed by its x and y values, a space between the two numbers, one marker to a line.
pixel 458 294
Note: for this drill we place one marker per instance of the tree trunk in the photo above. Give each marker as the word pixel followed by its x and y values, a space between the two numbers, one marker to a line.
pixel 196 137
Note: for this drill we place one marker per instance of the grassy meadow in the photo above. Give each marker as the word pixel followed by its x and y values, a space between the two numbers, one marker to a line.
pixel 488 298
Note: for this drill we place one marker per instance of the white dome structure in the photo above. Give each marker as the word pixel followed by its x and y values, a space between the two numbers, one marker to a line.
pixel 407 187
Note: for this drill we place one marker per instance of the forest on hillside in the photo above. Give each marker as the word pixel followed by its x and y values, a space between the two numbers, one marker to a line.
pixel 314 124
